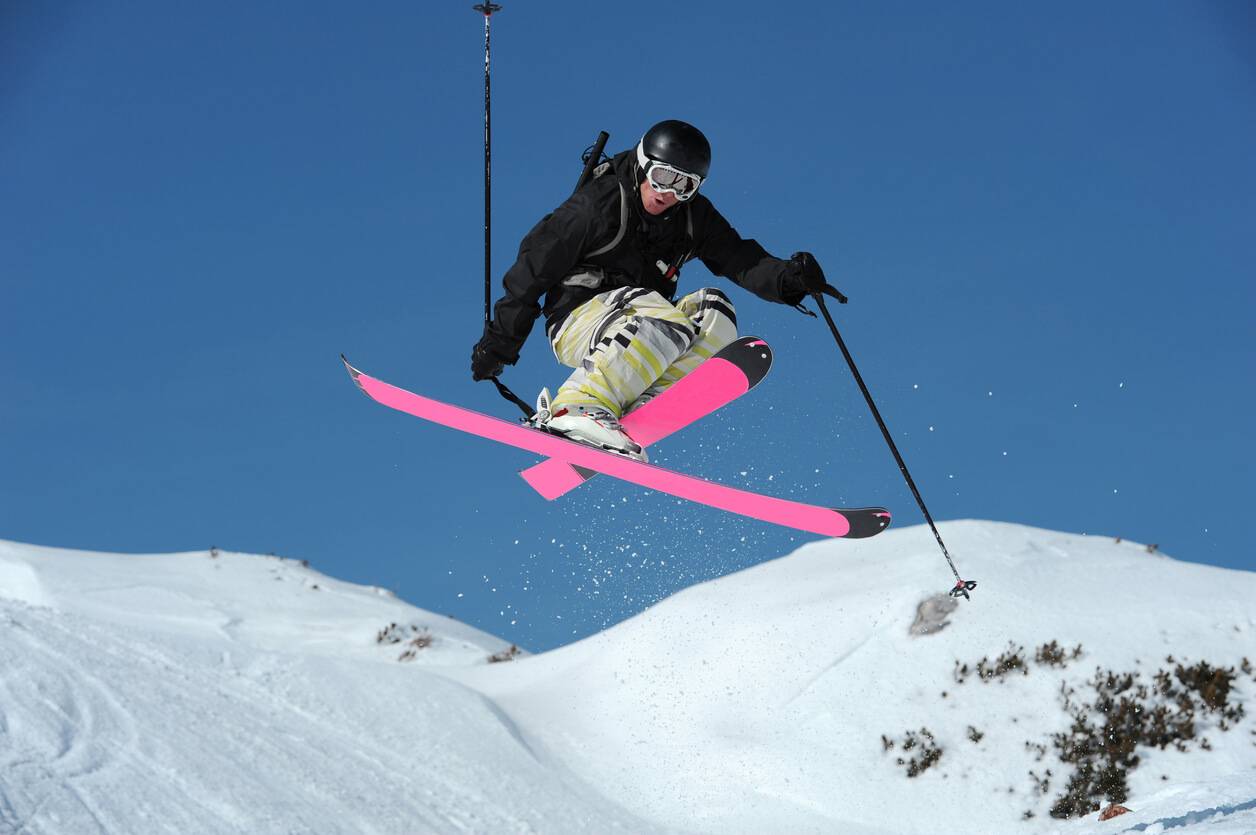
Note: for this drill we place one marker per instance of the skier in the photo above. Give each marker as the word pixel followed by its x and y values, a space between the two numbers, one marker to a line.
pixel 607 262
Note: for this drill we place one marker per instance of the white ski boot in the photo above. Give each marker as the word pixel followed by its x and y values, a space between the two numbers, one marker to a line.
pixel 638 403
pixel 586 424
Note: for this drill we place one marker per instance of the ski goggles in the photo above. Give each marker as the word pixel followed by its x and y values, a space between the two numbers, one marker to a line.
pixel 665 178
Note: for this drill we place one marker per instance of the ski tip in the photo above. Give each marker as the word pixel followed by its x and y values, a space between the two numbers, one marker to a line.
pixel 865 521
pixel 353 372
pixel 752 355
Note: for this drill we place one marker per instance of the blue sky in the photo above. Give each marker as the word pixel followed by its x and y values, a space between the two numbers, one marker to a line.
pixel 1043 217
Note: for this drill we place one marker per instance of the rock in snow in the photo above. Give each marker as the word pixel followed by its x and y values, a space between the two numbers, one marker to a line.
pixel 224 692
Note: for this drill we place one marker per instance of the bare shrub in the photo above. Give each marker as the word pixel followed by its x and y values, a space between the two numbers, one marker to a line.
pixel 390 634
pixel 1212 684
pixel 925 751
pixel 415 637
pixel 1053 655
pixel 413 646
pixel 1115 714
pixel 505 655
pixel 1010 661
pixel 1102 742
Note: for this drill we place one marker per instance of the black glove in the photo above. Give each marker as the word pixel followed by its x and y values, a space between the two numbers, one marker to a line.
pixel 807 272
pixel 485 362
pixel 805 278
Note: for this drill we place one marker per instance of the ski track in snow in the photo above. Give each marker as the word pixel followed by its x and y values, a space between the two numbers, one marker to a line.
pixel 837 663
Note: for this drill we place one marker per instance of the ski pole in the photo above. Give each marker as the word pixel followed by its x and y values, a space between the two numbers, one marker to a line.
pixel 487 9
pixel 962 587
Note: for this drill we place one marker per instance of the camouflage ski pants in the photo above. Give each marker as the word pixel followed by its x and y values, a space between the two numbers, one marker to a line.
pixel 632 343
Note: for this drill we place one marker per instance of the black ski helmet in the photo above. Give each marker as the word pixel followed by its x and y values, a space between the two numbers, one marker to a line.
pixel 678 144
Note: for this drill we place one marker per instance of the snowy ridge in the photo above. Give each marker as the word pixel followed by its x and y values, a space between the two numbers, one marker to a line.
pixel 264 603
pixel 233 693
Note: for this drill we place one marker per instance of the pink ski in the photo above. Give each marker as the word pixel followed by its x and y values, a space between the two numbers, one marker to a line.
pixel 729 374
pixel 856 523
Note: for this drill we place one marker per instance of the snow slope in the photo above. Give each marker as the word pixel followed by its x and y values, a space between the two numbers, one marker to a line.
pixel 770 689
pixel 195 693
pixel 189 693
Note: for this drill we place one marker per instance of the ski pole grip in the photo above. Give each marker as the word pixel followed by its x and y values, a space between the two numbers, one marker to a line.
pixel 595 156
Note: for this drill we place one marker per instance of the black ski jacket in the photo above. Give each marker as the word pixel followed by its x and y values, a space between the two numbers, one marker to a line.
pixel 564 245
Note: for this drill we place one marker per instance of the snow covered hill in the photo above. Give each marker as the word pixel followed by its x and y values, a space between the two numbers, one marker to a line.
pixel 197 692
pixel 230 693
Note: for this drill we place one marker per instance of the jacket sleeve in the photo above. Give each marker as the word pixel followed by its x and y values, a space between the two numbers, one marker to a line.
pixel 727 254
pixel 547 254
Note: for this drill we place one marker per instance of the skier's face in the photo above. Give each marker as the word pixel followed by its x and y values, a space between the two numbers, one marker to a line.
pixel 656 202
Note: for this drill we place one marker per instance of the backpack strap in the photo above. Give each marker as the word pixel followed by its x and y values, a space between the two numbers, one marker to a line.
pixel 672 271
pixel 623 221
